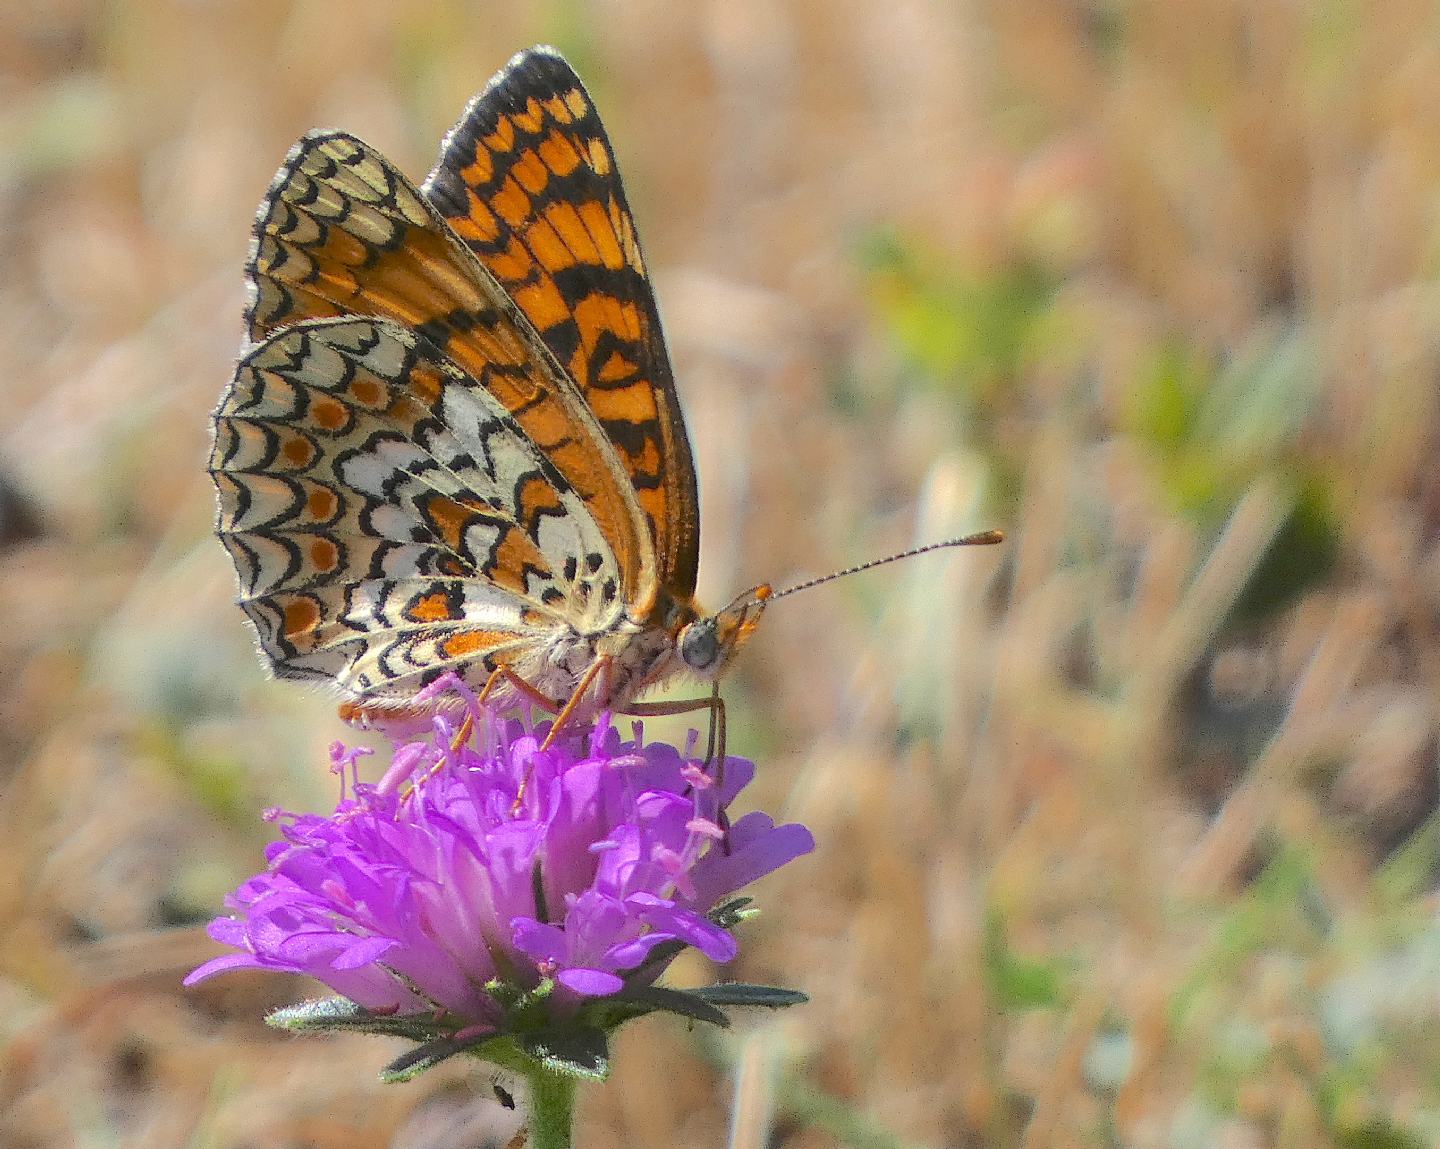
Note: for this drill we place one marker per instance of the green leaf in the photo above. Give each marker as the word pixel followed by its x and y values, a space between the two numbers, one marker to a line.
pixel 1303 553
pixel 736 993
pixel 582 1053
pixel 686 1003
pixel 1162 408
pixel 965 329
pixel 1017 981
pixel 1411 868
pixel 1378 1134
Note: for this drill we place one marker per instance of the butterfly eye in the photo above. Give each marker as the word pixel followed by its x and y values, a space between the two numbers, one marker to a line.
pixel 698 644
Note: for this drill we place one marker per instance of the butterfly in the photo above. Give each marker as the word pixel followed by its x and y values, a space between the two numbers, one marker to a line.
pixel 452 442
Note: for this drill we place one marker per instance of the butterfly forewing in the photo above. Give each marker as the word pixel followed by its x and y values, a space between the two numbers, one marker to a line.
pixel 528 181
pixel 390 520
pixel 342 232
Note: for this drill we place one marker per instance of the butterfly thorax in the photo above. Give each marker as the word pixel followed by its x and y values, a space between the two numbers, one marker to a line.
pixel 637 653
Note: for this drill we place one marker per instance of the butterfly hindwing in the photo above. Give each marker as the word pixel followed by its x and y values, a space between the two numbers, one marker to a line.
pixel 343 233
pixel 390 520
pixel 527 180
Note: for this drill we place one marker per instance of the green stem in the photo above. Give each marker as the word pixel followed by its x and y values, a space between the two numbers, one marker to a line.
pixel 552 1104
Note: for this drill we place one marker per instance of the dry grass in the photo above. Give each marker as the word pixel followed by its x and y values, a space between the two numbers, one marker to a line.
pixel 1128 833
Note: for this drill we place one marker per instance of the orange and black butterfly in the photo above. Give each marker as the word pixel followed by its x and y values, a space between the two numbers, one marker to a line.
pixel 453 442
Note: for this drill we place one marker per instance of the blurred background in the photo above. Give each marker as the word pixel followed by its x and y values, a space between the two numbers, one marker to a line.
pixel 1128 829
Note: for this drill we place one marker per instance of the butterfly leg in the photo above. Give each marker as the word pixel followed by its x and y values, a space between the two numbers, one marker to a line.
pixel 715 741
pixel 601 666
pixel 505 674
pixel 462 736
pixel 600 669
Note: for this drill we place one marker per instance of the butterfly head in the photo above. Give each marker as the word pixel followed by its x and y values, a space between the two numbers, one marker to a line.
pixel 706 645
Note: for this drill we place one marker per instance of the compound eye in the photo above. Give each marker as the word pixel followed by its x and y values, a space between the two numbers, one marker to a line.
pixel 698 645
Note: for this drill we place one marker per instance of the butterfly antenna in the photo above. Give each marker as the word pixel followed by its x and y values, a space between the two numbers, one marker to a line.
pixel 982 539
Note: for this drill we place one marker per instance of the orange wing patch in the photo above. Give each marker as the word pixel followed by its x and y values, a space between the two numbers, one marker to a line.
pixel 440 605
pixel 527 179
pixel 301 616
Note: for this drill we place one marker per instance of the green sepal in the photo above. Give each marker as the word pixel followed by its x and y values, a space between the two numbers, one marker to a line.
pixel 580 1053
pixel 517 1002
pixel 340 1015
pixel 577 1052
pixel 503 1050
pixel 414 1062
pixel 728 915
pixel 738 993
pixel 642 999
pixel 321 1013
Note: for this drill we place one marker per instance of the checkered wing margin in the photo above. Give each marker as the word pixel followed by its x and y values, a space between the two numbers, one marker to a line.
pixel 390 519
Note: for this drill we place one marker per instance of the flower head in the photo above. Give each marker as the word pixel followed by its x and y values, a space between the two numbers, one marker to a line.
pixel 486 871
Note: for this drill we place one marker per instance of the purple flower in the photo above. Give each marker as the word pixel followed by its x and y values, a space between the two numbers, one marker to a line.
pixel 473 875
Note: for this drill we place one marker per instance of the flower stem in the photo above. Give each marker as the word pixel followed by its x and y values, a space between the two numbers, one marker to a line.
pixel 552 1104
